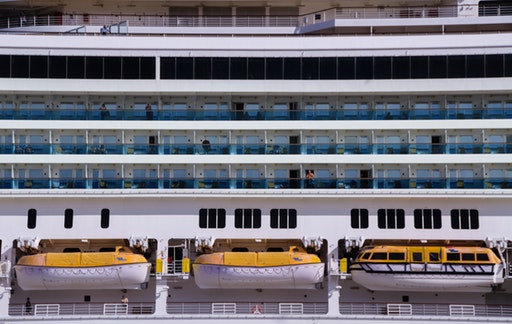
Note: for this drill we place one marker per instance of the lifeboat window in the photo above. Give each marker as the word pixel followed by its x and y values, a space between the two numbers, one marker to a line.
pixel 366 256
pixel 397 256
pixel 434 256
pixel 68 218
pixel 71 250
pixel 468 257
pixel 359 218
pixel 482 257
pixel 453 256
pixel 32 216
pixel 379 256
pixel 107 249
pixel 417 257
pixel 275 249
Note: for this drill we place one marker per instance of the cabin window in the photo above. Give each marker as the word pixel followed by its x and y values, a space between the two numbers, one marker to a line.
pixel 468 257
pixel 359 218
pixel 397 256
pixel 417 257
pixel 68 218
pixel 283 218
pixel 212 218
pixel 427 218
pixel 391 218
pixel 452 256
pixel 482 257
pixel 105 218
pixel 464 219
pixel 379 256
pixel 247 218
pixel 32 216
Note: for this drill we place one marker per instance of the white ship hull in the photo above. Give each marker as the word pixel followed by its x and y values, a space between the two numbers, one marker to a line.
pixel 305 276
pixel 129 276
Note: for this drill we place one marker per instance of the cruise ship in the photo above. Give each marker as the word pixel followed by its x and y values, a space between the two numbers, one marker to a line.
pixel 255 161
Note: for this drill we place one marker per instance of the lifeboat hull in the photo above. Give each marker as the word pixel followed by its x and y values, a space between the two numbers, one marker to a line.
pixel 300 276
pixel 125 276
pixel 428 282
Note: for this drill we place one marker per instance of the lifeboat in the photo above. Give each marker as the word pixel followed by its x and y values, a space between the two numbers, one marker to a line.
pixel 294 269
pixel 121 269
pixel 428 268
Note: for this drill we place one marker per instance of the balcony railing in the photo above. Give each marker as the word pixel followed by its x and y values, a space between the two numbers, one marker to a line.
pixel 504 112
pixel 258 149
pixel 255 183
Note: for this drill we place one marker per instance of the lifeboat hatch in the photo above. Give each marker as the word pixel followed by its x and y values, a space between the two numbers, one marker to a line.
pixel 261 264
pixel 69 264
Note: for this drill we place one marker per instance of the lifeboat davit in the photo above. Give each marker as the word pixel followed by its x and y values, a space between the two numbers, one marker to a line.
pixel 294 269
pixel 121 269
pixel 428 268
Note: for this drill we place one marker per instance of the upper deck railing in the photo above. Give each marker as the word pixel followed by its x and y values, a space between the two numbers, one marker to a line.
pixel 258 21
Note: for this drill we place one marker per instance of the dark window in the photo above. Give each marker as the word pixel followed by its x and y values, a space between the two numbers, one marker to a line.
pixel 508 65
pixel 366 255
pixel 274 68
pixel 346 68
pixel 464 219
pixel 359 218
pixel 457 66
pixel 220 68
pixel 310 67
pixel 58 66
pixel 168 68
pixel 364 68
pixel 131 68
pixel 379 256
pixel 391 218
pixel 437 67
pixel 147 68
pixel 32 217
pixel 112 67
pixel 401 67
pixel 76 67
pixel 427 218
pixel 5 66
pixel 247 218
pixel 105 218
pixel 283 218
pixel 256 68
pixel 396 256
pixel 291 67
pixel 434 256
pixel 203 68
pixel 212 218
pixel 94 67
pixel 382 68
pixel 20 66
pixel 475 66
pixel 453 256
pixel 417 257
pixel 238 68
pixel 468 257
pixel 68 218
pixel 419 67
pixel 184 68
pixel 328 68
pixel 493 66
pixel 39 67
pixel 482 257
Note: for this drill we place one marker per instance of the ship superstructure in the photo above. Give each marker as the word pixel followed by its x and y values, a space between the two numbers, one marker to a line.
pixel 266 161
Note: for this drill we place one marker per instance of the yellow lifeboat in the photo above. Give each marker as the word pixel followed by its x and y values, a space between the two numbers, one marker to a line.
pixel 427 268
pixel 294 269
pixel 121 269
